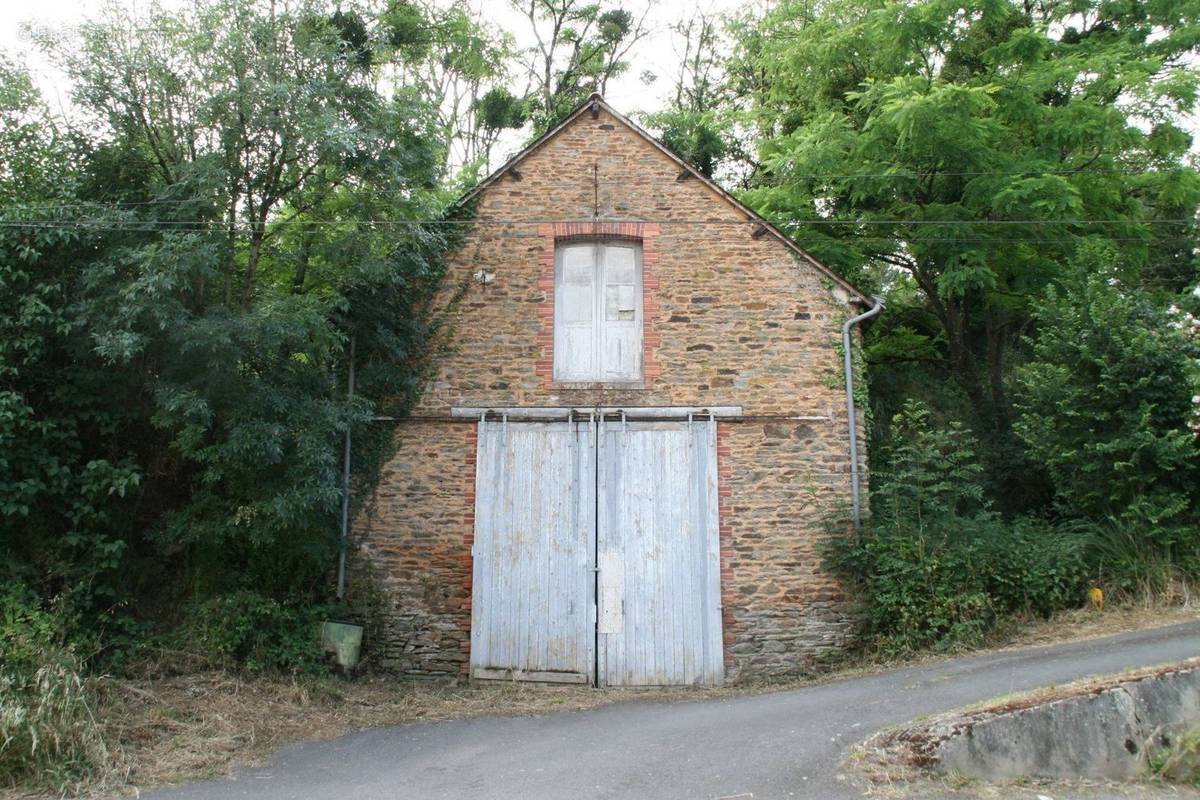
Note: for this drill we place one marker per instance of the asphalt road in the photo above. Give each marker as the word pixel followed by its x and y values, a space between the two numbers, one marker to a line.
pixel 782 745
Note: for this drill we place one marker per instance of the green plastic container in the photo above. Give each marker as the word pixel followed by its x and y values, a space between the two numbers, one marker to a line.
pixel 344 640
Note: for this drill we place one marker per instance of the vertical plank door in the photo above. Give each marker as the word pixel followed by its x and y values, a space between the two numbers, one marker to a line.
pixel 532 611
pixel 659 616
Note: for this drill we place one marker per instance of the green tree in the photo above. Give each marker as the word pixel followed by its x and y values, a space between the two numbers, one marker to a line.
pixel 955 155
pixel 239 205
pixel 458 62
pixel 250 107
pixel 65 484
pixel 695 124
pixel 935 566
pixel 1106 401
pixel 579 46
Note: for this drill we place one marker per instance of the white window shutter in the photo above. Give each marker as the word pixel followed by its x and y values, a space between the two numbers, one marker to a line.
pixel 575 350
pixel 621 334
pixel 598 313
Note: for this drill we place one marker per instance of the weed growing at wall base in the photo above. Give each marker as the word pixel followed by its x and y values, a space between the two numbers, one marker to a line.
pixel 935 567
pixel 1178 761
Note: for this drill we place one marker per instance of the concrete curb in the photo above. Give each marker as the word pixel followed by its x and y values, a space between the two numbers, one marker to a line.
pixel 1106 732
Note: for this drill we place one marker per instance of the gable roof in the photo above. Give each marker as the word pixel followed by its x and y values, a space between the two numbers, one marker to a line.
pixel 598 102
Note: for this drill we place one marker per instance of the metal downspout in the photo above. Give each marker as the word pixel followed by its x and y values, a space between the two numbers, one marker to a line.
pixel 344 539
pixel 855 482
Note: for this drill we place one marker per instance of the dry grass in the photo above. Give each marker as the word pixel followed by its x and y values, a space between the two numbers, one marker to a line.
pixel 171 729
pixel 198 726
pixel 1088 623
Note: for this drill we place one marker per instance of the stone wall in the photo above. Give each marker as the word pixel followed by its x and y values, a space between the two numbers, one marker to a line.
pixel 782 608
pixel 417 531
pixel 731 319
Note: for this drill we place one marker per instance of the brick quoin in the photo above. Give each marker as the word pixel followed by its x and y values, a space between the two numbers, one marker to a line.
pixel 470 443
pixel 725 540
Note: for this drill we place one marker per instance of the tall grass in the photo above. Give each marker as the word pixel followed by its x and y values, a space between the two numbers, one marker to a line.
pixel 49 737
pixel 1135 561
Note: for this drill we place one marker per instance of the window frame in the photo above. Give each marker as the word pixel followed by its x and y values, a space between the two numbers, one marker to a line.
pixel 600 245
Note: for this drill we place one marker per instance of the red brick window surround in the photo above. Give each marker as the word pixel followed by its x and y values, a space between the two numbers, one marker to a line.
pixel 553 234
pixel 465 562
pixel 725 539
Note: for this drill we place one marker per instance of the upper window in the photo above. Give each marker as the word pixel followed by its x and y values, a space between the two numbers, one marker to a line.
pixel 598 312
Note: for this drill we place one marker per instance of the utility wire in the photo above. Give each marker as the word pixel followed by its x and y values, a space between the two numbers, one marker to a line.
pixel 856 240
pixel 222 225
pixel 809 175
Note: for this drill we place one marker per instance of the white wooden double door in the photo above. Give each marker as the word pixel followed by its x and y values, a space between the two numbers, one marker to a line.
pixel 596 556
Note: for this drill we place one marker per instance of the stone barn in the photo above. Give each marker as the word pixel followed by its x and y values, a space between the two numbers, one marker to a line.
pixel 619 475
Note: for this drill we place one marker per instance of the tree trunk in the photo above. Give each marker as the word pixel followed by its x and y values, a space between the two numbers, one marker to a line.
pixel 230 243
pixel 996 343
pixel 256 241
pixel 301 265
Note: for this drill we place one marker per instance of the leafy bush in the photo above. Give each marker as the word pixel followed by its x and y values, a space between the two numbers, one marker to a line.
pixel 936 568
pixel 48 735
pixel 1106 402
pixel 248 630
pixel 173 365
pixel 960 577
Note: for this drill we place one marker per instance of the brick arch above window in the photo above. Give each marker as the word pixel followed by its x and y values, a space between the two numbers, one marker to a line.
pixel 551 236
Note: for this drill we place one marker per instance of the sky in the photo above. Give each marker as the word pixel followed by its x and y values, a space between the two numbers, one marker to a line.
pixel 657 53
pixel 628 94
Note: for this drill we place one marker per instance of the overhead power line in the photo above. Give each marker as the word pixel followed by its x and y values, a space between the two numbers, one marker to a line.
pixel 908 175
pixel 868 240
pixel 486 221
